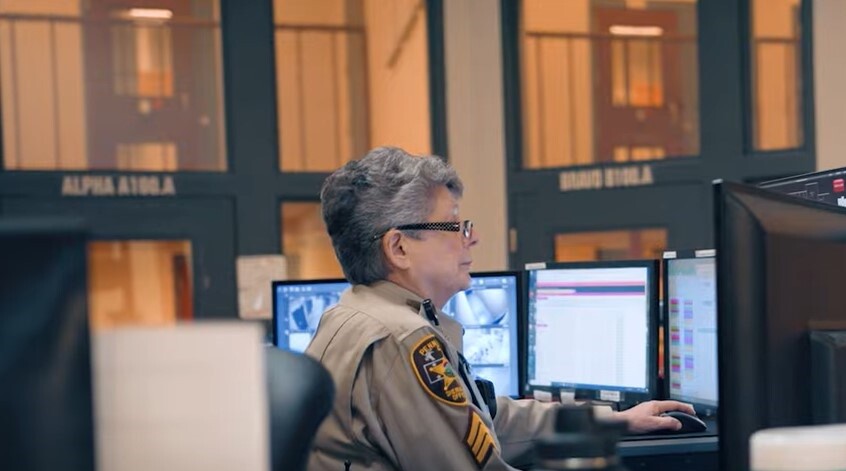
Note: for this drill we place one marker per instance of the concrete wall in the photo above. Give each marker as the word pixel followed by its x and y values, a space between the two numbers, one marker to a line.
pixel 475 120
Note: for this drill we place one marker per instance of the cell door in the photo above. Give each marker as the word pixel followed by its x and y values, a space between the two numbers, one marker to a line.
pixel 638 96
pixel 619 224
pixel 151 262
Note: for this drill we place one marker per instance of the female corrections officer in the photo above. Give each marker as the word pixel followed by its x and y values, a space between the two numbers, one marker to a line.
pixel 405 398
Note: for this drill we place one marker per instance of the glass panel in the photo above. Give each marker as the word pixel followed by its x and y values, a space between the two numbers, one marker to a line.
pixel 139 282
pixel 610 245
pixel 608 81
pixel 306 245
pixel 111 85
pixel 347 73
pixel 777 106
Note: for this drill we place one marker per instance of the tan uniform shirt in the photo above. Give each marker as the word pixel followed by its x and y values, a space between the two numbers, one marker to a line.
pixel 400 402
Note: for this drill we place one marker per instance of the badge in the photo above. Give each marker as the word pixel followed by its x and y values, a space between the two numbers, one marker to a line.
pixel 435 373
pixel 478 440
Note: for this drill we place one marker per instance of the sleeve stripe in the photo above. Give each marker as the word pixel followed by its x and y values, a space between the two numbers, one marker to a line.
pixel 486 450
pixel 479 441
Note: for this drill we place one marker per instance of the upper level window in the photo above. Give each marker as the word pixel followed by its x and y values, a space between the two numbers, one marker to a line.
pixel 351 75
pixel 608 81
pixel 111 85
pixel 776 66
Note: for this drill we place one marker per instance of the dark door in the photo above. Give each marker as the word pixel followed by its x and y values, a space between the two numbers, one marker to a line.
pixel 158 229
pixel 638 92
pixel 683 211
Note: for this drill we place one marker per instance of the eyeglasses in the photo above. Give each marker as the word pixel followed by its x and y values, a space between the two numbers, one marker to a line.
pixel 465 227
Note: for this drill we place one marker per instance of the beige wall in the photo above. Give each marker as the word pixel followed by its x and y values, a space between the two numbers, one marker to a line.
pixel 475 120
pixel 830 82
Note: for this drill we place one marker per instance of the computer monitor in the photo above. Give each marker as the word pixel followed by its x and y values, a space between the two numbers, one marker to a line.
pixel 490 313
pixel 592 329
pixel 46 407
pixel 828 186
pixel 690 328
pixel 780 266
pixel 297 308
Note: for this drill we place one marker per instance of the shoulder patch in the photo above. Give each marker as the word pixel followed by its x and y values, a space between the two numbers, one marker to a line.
pixel 478 439
pixel 435 372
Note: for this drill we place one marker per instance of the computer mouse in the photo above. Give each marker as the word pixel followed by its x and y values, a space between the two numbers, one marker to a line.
pixel 690 423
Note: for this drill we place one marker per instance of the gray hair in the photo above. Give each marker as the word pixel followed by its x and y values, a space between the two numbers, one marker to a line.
pixel 388 187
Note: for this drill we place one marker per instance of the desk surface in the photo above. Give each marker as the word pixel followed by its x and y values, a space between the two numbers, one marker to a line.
pixel 668 446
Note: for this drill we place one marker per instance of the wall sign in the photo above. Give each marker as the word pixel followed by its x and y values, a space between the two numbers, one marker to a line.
pixel 600 178
pixel 118 185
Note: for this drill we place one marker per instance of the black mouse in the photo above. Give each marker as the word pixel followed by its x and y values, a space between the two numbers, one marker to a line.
pixel 690 423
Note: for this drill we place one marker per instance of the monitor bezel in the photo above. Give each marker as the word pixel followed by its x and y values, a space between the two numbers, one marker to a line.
pixel 778 184
pixel 626 398
pixel 702 409
pixel 278 283
pixel 745 236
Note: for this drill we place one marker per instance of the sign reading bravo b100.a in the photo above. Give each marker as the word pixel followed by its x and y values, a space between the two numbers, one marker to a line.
pixel 118 185
pixel 609 177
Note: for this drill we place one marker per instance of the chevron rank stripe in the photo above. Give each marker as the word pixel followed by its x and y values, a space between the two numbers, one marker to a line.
pixel 478 439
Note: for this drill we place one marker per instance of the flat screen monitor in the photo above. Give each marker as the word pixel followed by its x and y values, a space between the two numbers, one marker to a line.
pixel 592 329
pixel 297 309
pixel 780 266
pixel 828 186
pixel 488 310
pixel 46 406
pixel 490 314
pixel 690 328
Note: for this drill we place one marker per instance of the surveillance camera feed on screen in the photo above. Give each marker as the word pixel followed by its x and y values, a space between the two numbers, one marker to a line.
pixel 691 294
pixel 299 306
pixel 589 329
pixel 488 312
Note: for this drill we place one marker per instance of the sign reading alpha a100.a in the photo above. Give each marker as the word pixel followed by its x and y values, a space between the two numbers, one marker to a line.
pixel 118 185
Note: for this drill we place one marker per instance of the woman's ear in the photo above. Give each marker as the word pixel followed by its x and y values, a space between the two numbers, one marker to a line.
pixel 396 253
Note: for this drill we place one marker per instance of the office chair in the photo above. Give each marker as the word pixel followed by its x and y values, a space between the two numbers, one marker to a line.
pixel 300 393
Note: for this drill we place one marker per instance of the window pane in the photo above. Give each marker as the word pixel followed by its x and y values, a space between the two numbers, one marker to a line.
pixel 348 72
pixel 111 85
pixel 306 245
pixel 777 74
pixel 139 282
pixel 610 245
pixel 608 81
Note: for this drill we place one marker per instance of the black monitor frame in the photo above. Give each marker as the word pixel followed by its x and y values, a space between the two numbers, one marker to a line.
pixel 800 186
pixel 779 276
pixel 626 398
pixel 702 409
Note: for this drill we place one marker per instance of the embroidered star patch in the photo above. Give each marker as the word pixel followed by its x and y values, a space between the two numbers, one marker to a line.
pixel 435 373
pixel 478 439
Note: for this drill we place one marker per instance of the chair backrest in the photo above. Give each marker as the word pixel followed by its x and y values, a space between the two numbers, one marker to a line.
pixel 300 392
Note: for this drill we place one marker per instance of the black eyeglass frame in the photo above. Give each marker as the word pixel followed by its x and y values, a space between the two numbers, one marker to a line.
pixel 465 227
